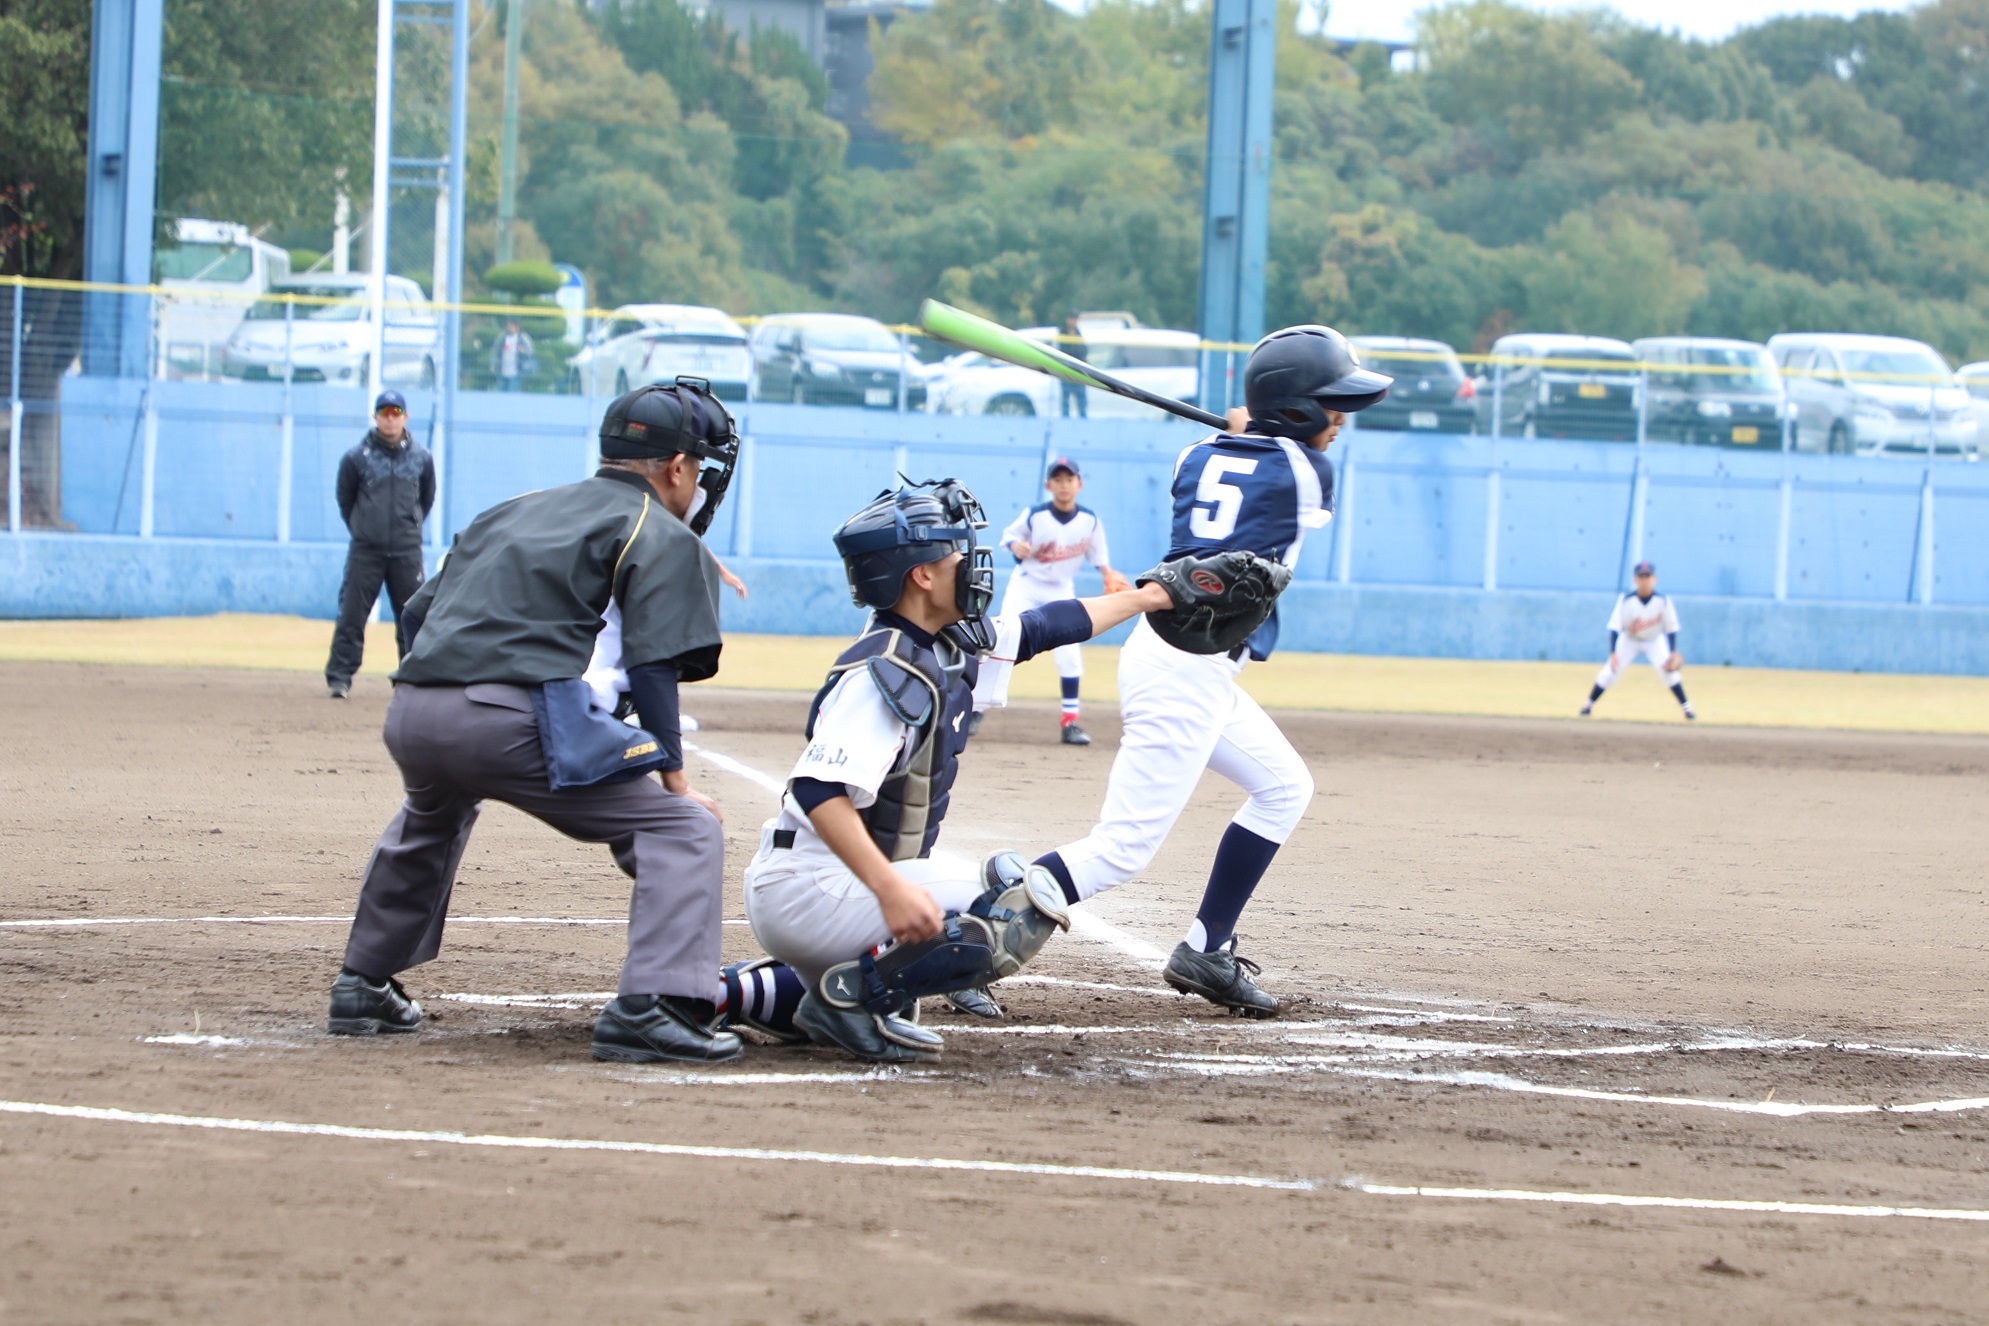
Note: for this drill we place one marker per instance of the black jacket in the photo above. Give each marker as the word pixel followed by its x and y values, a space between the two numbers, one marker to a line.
pixel 384 492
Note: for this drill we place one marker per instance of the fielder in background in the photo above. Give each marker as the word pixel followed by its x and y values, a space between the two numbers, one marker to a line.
pixel 1255 490
pixel 846 866
pixel 386 486
pixel 1048 542
pixel 1644 625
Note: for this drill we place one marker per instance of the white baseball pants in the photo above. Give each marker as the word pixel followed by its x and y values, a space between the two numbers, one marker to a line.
pixel 1023 593
pixel 811 912
pixel 1184 713
pixel 1656 651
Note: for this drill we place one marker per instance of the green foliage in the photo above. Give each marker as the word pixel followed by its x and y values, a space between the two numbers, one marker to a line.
pixel 523 278
pixel 44 101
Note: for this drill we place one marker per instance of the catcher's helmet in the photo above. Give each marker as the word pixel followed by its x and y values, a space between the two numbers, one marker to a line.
pixel 1295 375
pixel 914 525
pixel 665 418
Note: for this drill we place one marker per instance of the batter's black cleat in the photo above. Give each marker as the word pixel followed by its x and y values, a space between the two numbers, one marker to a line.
pixel 364 1007
pixel 879 1038
pixel 1221 977
pixel 1075 735
pixel 976 1000
pixel 653 1029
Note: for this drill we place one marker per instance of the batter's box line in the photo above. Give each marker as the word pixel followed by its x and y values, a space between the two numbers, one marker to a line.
pixel 86 922
pixel 1101 1173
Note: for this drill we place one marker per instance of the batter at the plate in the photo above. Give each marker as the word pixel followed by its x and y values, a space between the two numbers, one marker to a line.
pixel 1257 489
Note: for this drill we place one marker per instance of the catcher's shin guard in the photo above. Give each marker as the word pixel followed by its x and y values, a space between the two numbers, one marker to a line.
pixel 999 932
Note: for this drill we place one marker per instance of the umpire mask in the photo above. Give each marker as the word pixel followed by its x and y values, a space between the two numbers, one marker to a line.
pixel 681 417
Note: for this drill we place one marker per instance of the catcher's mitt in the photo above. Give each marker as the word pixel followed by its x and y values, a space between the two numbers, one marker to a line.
pixel 1116 582
pixel 1218 600
pixel 1675 662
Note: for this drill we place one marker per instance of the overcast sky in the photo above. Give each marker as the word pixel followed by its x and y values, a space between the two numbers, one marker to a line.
pixel 1393 20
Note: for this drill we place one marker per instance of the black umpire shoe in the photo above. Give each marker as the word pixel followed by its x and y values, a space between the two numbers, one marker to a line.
pixel 1221 977
pixel 880 1039
pixel 364 1007
pixel 649 1029
pixel 1075 735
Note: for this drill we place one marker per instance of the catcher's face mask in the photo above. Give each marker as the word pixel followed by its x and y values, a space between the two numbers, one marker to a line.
pixel 973 587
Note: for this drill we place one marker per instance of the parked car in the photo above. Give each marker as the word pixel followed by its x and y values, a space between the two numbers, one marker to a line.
pixel 331 336
pixel 643 343
pixel 833 359
pixel 1712 392
pixel 1432 391
pixel 1974 379
pixel 1873 394
pixel 214 272
pixel 1564 386
pixel 1161 361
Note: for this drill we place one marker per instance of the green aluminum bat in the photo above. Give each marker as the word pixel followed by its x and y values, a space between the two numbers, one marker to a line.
pixel 998 342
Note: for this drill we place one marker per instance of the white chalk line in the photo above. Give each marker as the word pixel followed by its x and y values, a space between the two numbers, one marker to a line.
pixel 1104 1172
pixel 1100 1172
pixel 78 922
pixel 188 1038
pixel 720 1079
pixel 1675 1203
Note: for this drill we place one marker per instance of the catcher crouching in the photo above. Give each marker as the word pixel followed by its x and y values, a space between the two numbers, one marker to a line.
pixel 858 919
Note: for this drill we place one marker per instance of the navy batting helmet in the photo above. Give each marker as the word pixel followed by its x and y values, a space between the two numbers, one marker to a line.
pixel 1295 375
pixel 665 418
pixel 914 525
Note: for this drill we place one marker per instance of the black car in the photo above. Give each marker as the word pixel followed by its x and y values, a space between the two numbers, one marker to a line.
pixel 1432 393
pixel 833 359
pixel 1712 392
pixel 1562 386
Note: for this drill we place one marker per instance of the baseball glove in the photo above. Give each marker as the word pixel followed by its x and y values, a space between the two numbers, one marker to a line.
pixel 1675 662
pixel 1218 600
pixel 1116 582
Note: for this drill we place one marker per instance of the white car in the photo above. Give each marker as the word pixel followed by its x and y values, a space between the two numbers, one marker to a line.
pixel 1163 362
pixel 1872 394
pixel 214 273
pixel 330 334
pixel 644 343
pixel 1974 379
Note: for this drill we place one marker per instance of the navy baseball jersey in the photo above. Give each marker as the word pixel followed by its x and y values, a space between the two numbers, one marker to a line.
pixel 1257 494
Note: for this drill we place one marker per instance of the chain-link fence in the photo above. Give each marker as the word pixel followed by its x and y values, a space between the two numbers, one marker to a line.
pixel 1794 471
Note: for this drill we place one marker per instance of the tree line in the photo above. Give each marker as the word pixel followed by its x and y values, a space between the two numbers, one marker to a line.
pixel 1537 172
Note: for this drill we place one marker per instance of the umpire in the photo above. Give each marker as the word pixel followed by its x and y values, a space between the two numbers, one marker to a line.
pixel 490 704
pixel 386 486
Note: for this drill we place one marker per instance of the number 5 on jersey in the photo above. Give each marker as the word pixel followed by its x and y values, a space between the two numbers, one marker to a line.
pixel 1225 499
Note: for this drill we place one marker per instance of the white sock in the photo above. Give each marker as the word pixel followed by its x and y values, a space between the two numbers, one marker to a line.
pixel 1198 936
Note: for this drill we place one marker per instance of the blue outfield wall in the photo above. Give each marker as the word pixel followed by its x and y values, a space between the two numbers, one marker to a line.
pixel 1425 522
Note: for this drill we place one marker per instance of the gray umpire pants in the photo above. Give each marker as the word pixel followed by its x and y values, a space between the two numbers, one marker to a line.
pixel 458 746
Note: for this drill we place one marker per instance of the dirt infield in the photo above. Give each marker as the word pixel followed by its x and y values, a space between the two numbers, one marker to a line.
pixel 1536 970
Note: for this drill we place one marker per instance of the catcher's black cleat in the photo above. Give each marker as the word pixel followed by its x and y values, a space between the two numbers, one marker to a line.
pixel 362 1007
pixel 1221 977
pixel 975 999
pixel 879 1038
pixel 1075 735
pixel 648 1029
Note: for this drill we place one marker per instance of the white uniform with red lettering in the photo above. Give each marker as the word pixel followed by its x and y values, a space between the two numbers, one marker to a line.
pixel 1058 544
pixel 1644 629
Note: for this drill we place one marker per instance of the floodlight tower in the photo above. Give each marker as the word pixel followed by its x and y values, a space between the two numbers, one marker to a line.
pixel 443 173
pixel 1237 197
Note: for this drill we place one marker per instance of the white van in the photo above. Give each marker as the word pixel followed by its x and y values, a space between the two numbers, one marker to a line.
pixel 1872 394
pixel 214 273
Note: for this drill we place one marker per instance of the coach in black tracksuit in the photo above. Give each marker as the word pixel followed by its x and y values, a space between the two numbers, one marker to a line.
pixel 386 486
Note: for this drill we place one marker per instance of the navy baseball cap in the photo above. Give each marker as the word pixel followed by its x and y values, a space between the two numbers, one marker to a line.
pixel 1644 569
pixel 392 398
pixel 1066 464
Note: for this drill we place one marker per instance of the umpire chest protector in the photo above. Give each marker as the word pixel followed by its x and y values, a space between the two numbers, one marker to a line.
pixel 931 690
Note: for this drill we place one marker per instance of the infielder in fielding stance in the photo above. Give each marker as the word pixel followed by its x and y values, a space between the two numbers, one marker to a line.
pixel 1644 625
pixel 1257 490
pixel 1048 542
pixel 846 867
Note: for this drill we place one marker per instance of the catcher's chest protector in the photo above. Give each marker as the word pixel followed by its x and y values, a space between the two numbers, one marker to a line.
pixel 935 702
